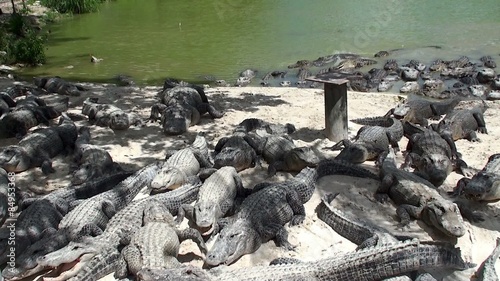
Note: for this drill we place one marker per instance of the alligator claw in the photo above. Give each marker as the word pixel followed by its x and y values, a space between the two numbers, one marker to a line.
pixel 382 197
pixel 296 220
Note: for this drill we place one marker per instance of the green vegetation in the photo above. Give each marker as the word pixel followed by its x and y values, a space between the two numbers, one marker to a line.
pixel 20 42
pixel 73 6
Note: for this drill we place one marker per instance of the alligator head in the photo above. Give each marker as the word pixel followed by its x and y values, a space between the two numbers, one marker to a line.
pixel 446 218
pixel 176 119
pixel 401 110
pixel 301 157
pixel 359 152
pixel 483 187
pixel 168 178
pixel 434 167
pixel 238 158
pixel 74 256
pixel 84 173
pixel 206 215
pixel 14 158
pixel 26 262
pixel 118 120
pixel 234 241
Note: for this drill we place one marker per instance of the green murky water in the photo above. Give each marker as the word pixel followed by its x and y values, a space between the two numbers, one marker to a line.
pixel 153 39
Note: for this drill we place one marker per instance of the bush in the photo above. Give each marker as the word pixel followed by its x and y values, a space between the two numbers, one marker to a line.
pixel 21 42
pixel 29 49
pixel 73 6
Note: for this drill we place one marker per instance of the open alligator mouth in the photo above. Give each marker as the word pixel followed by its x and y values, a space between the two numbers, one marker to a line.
pixel 67 270
pixel 21 273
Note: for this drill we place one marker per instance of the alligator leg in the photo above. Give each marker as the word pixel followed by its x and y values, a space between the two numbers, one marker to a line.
pixel 281 236
pixel 382 192
pixel 47 166
pixel 461 184
pixel 460 166
pixel 193 234
pixel 220 224
pixel 156 111
pixel 121 267
pixel 393 142
pixel 405 212
pixel 299 212
pixel 185 210
pixel 89 230
pixel 481 125
pixel 339 145
pixel 449 139
pixel 214 113
pixel 472 136
pixel 135 263
pixel 468 213
pixel 410 160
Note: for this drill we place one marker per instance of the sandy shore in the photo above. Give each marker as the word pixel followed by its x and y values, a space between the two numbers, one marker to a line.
pixel 304 108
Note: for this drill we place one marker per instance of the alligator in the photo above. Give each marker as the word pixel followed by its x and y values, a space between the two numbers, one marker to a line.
pixel 431 155
pixel 261 217
pixel 108 115
pixel 237 151
pixel 321 61
pixel 23 90
pixel 416 65
pixel 359 232
pixel 417 110
pixel 409 74
pixel 301 64
pixel 156 244
pixel 27 115
pixel 58 85
pixel 123 80
pixel 37 148
pixel 257 125
pixel 180 108
pixel 182 165
pixel 462 124
pixel 410 87
pixel 6 103
pixel 90 161
pixel 458 63
pixel 295 160
pixel 98 256
pixel 274 74
pixel 488 62
pixel 215 199
pixel 377 75
pixel 351 63
pixel 418 198
pixel 371 140
pixel 391 65
pixel 370 264
pixel 486 271
pixel 303 74
pixel 483 186
pixel 282 154
pixel 89 218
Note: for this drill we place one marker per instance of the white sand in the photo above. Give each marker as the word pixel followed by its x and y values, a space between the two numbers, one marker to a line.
pixel 304 108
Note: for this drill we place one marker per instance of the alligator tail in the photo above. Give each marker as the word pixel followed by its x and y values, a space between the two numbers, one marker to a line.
pixel 330 167
pixel 374 121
